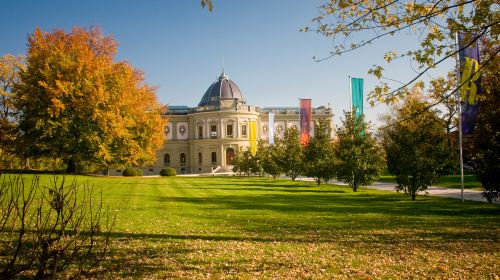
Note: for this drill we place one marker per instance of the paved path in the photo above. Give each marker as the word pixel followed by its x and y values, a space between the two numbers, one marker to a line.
pixel 438 191
pixel 433 191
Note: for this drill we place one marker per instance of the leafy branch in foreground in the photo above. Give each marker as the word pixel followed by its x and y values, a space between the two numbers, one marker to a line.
pixel 435 22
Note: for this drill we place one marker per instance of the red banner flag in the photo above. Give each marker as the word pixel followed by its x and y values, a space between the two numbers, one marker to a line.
pixel 305 121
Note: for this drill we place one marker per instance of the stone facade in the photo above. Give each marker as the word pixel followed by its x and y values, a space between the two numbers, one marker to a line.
pixel 206 138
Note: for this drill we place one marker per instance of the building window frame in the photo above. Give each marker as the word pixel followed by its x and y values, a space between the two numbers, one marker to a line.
pixel 213 131
pixel 200 132
pixel 214 158
pixel 182 159
pixel 166 159
pixel 244 130
pixel 229 131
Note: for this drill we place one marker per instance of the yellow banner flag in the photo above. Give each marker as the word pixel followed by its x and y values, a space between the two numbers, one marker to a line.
pixel 253 137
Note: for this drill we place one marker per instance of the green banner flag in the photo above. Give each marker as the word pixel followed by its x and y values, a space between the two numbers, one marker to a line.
pixel 357 95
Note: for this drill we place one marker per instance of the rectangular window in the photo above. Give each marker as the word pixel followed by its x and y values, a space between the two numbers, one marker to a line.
pixel 200 132
pixel 213 131
pixel 229 131
pixel 244 130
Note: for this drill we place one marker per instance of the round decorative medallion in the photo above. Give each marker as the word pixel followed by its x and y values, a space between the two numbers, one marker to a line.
pixel 182 129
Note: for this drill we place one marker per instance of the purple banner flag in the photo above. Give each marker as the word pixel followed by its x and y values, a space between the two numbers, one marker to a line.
pixel 470 79
pixel 305 121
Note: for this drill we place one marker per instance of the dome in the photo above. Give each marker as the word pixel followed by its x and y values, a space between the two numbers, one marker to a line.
pixel 221 89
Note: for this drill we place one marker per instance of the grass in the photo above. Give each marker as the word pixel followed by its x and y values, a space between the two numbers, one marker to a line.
pixel 253 228
pixel 449 181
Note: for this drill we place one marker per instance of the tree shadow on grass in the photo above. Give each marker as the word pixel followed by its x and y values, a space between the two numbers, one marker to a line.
pixel 251 187
pixel 388 205
pixel 143 255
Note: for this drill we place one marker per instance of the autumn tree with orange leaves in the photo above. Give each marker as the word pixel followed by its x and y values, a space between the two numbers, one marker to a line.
pixel 76 103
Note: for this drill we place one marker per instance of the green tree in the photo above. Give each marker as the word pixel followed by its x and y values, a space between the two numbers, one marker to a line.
pixel 258 159
pixel 416 147
pixel 75 102
pixel 289 154
pixel 318 154
pixel 243 163
pixel 354 24
pixel 270 161
pixel 360 160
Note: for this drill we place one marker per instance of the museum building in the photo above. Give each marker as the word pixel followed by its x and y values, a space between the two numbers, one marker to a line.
pixel 206 138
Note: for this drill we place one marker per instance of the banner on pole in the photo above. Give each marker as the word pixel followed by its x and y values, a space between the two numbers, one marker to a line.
pixel 305 121
pixel 270 126
pixel 470 79
pixel 357 95
pixel 253 136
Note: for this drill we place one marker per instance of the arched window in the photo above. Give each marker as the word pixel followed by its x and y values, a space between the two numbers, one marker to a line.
pixel 200 158
pixel 214 157
pixel 200 132
pixel 183 159
pixel 166 159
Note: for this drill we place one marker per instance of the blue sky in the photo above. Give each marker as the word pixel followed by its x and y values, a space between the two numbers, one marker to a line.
pixel 182 47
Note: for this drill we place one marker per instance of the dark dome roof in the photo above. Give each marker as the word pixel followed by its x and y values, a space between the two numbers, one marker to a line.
pixel 223 88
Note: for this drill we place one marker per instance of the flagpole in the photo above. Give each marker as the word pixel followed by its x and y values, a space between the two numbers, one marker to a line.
pixel 350 94
pixel 459 120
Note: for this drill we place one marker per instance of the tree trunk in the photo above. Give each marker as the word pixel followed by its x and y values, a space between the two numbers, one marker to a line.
pixel 413 196
pixel 355 185
pixel 71 168
pixel 318 181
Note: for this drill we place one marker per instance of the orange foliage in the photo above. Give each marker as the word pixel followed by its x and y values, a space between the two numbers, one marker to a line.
pixel 79 104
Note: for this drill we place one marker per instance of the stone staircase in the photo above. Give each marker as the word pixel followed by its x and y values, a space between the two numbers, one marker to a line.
pixel 226 170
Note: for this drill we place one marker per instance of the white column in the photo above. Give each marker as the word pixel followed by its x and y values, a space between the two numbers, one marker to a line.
pixel 237 128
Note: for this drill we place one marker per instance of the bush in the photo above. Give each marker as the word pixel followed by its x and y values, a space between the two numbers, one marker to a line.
pixel 130 172
pixel 168 172
pixel 51 232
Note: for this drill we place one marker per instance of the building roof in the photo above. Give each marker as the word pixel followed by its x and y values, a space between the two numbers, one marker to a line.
pixel 178 110
pixel 223 88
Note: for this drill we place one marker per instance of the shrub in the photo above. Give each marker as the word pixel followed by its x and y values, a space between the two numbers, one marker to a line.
pixel 168 172
pixel 51 232
pixel 130 172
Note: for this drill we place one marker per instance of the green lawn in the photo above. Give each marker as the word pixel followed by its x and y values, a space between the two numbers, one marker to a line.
pixel 449 181
pixel 252 228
